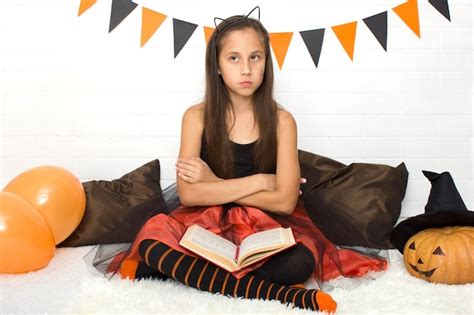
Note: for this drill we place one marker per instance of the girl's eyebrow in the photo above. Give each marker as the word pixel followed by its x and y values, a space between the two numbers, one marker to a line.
pixel 237 53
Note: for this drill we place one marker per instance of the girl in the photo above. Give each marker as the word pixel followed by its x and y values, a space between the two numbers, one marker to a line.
pixel 238 173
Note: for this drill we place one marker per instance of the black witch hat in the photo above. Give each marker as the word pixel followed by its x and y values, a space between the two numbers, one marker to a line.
pixel 445 207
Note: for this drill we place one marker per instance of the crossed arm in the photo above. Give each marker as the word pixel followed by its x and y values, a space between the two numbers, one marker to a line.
pixel 198 185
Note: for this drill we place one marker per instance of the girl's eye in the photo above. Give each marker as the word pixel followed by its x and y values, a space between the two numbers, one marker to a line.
pixel 255 57
pixel 234 58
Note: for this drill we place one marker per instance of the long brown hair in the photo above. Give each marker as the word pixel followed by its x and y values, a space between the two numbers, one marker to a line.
pixel 218 103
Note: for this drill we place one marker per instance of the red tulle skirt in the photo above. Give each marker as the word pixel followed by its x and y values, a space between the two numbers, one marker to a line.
pixel 237 222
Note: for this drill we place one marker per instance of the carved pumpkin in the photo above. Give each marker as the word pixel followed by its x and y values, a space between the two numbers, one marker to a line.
pixel 442 255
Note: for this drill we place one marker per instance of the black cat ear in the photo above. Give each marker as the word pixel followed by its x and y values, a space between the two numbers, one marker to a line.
pixel 221 23
pixel 257 8
pixel 220 26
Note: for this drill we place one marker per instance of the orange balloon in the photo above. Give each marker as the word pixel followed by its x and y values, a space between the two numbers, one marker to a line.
pixel 56 193
pixel 26 243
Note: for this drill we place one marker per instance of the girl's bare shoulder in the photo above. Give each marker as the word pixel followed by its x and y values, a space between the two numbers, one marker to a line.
pixel 285 118
pixel 194 113
pixel 195 109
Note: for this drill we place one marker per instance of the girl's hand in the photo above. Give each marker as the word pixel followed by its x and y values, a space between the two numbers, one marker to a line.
pixel 195 170
pixel 302 181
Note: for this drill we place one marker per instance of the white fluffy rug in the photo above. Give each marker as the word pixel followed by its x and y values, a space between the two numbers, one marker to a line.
pixel 67 285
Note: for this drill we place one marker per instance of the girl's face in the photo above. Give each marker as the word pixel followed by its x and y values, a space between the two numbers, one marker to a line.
pixel 242 62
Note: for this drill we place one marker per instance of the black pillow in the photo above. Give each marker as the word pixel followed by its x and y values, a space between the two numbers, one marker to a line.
pixel 117 209
pixel 356 204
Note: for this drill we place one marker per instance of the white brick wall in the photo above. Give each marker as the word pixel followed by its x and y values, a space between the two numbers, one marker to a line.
pixel 95 103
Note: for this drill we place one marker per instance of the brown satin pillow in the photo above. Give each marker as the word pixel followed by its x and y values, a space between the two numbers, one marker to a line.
pixel 117 209
pixel 356 204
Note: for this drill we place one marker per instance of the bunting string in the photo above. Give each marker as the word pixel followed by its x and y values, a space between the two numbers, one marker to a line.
pixel 280 42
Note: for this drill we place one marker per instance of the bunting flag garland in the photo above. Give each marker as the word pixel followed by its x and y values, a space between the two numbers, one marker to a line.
pixel 208 32
pixel 313 40
pixel 120 10
pixel 408 12
pixel 442 6
pixel 84 5
pixel 377 24
pixel 182 32
pixel 280 42
pixel 346 34
pixel 151 21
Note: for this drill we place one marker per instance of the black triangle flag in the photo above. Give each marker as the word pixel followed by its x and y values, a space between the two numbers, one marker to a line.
pixel 182 32
pixel 442 6
pixel 378 26
pixel 313 40
pixel 120 10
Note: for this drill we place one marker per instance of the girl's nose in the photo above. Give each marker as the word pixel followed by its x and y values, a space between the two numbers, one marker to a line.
pixel 245 70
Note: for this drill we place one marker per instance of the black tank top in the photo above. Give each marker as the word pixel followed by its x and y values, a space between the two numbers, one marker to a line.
pixel 244 161
pixel 243 157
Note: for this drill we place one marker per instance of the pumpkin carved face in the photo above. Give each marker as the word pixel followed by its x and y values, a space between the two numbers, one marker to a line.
pixel 443 255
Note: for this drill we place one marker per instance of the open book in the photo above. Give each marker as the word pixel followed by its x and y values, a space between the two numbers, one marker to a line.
pixel 231 257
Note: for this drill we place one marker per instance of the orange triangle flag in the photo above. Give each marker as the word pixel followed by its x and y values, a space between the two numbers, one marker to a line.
pixel 346 34
pixel 85 4
pixel 151 20
pixel 208 32
pixel 408 12
pixel 280 43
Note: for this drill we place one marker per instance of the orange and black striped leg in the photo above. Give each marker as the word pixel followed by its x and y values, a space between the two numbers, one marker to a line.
pixel 144 271
pixel 203 275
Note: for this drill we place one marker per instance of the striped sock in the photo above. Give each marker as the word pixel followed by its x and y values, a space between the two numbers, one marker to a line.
pixel 203 275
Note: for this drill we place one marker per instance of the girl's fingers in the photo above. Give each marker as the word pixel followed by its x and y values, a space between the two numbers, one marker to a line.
pixel 185 166
pixel 186 178
pixel 192 167
pixel 186 172
pixel 193 164
pixel 187 163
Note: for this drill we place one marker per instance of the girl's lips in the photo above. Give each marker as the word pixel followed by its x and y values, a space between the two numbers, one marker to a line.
pixel 246 83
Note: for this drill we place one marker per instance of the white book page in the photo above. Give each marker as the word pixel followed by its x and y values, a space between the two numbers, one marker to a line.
pixel 214 243
pixel 261 239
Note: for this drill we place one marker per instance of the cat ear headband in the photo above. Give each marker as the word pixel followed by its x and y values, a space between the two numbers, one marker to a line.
pixel 224 23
